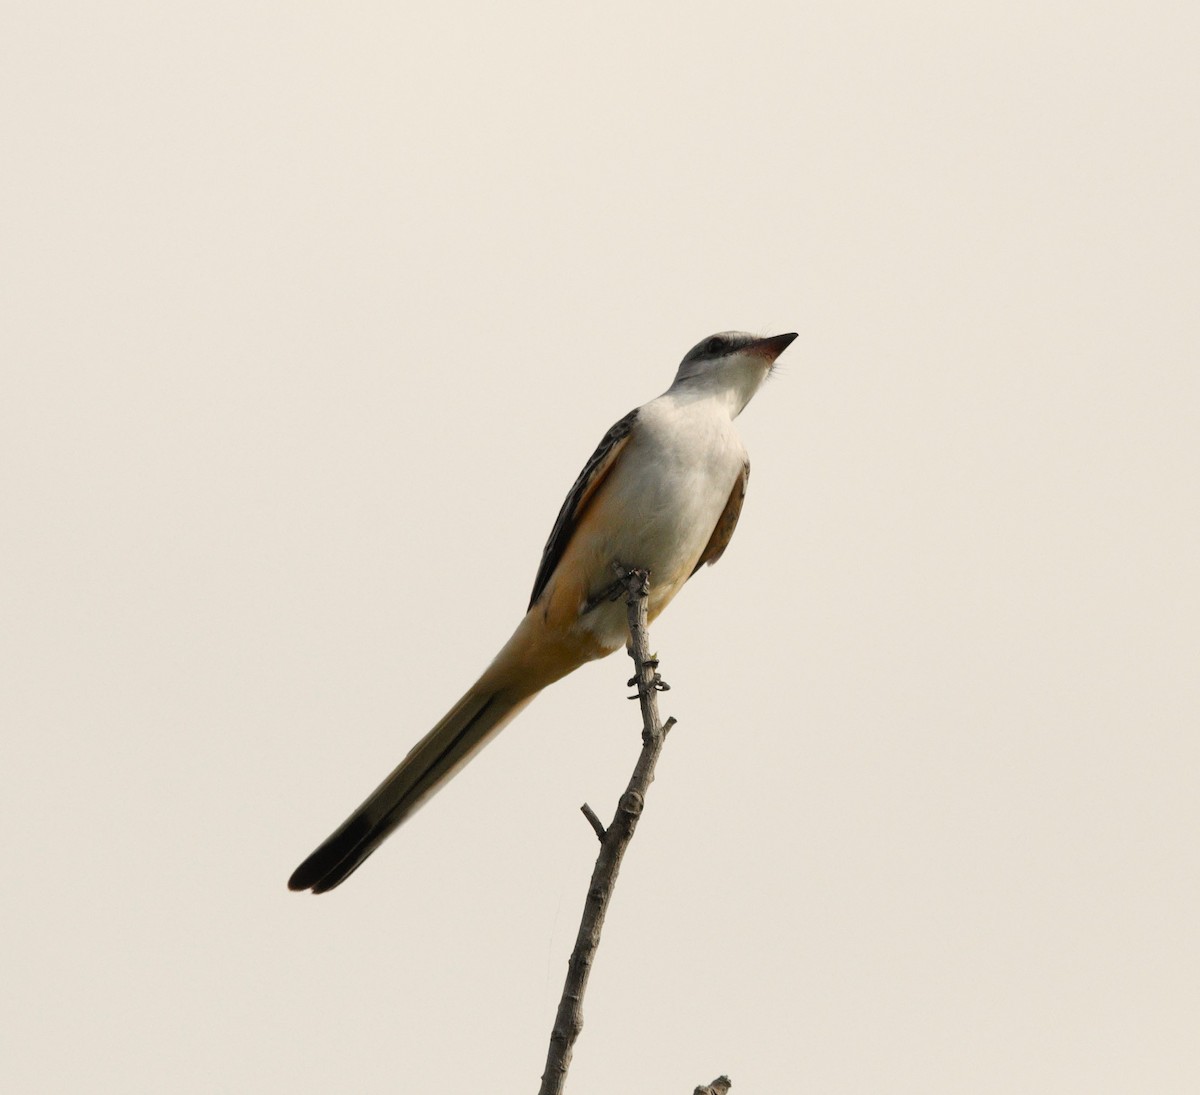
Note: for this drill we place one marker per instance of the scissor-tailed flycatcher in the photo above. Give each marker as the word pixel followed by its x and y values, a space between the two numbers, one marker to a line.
pixel 661 493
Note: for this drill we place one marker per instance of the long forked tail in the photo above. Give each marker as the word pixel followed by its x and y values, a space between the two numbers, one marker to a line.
pixel 479 715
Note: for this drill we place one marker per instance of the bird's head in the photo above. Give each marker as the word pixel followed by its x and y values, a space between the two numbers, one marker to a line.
pixel 731 364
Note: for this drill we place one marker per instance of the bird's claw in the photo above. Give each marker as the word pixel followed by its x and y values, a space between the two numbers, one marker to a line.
pixel 655 684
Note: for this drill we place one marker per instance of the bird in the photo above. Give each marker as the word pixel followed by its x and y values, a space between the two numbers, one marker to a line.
pixel 662 493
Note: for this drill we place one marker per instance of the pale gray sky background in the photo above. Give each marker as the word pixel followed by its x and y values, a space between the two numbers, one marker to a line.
pixel 311 314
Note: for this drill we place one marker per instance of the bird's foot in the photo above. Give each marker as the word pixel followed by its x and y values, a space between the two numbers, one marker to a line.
pixel 655 684
pixel 626 576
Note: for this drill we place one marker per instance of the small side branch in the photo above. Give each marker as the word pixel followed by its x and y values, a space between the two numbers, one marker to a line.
pixel 594 821
pixel 615 839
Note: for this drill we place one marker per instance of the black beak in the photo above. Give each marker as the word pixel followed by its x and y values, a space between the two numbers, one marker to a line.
pixel 772 347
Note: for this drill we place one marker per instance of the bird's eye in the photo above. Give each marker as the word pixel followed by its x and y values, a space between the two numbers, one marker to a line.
pixel 715 346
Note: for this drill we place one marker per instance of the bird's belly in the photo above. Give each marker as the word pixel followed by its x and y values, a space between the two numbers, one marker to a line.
pixel 662 526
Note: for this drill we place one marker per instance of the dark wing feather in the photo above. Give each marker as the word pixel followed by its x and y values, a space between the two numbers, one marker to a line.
pixel 595 471
pixel 727 522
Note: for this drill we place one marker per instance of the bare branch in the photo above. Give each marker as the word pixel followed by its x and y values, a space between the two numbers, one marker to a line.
pixel 614 840
pixel 593 821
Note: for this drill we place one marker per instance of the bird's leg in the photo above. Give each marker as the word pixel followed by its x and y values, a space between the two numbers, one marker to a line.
pixel 612 593
pixel 607 595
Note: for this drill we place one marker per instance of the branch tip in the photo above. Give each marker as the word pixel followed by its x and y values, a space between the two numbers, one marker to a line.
pixel 596 824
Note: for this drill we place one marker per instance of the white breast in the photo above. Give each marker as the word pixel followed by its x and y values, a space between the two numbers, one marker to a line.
pixel 663 500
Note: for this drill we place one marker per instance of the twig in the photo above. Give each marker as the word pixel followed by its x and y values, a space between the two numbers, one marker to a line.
pixel 613 840
pixel 593 821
